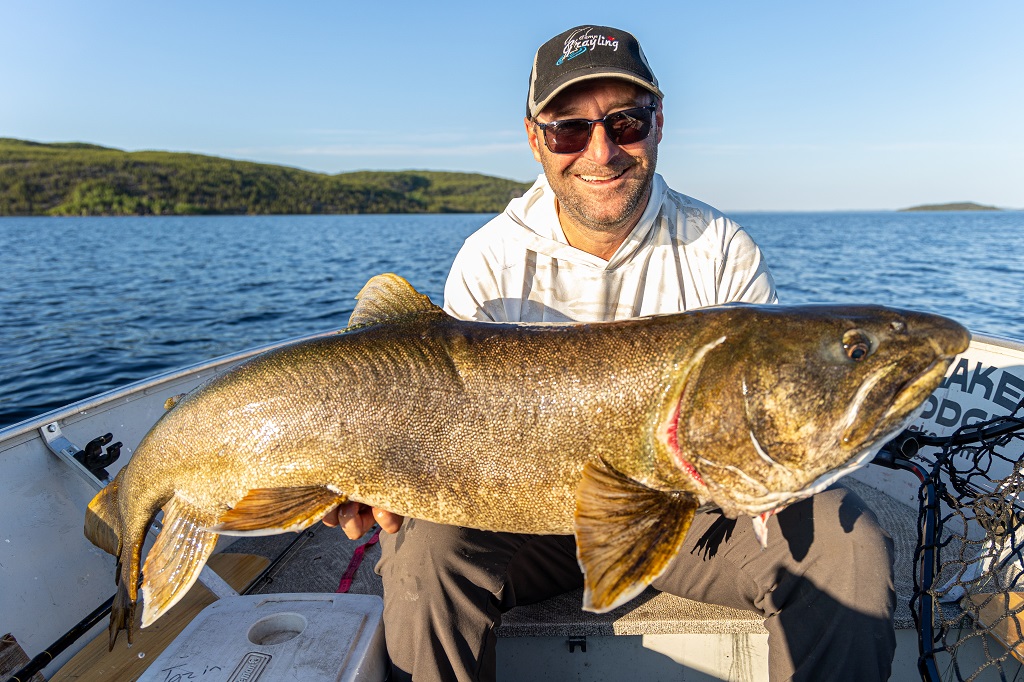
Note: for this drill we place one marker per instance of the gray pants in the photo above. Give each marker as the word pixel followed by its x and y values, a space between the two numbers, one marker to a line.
pixel 824 585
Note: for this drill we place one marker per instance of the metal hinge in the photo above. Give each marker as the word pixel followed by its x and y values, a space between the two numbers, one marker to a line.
pixel 66 450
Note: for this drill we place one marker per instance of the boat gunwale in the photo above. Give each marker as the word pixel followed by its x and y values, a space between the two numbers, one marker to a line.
pixel 61 414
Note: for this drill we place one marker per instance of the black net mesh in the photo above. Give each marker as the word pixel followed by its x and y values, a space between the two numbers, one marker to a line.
pixel 968 569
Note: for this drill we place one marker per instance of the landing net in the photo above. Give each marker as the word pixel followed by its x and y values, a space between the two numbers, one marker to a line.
pixel 968 599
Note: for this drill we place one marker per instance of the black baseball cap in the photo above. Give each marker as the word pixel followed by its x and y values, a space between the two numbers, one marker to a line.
pixel 583 53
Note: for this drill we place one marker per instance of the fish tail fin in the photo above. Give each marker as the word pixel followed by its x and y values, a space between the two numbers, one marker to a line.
pixel 102 518
pixel 176 558
pixel 626 534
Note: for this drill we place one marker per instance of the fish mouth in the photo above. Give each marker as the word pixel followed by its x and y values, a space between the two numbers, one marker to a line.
pixel 916 390
pixel 908 398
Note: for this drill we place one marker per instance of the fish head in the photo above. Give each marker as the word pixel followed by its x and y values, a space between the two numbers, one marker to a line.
pixel 789 399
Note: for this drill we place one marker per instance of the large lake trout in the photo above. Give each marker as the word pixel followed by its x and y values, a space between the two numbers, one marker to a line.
pixel 615 431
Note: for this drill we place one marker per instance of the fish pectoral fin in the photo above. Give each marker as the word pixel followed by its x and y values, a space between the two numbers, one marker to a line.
pixel 266 511
pixel 626 533
pixel 176 558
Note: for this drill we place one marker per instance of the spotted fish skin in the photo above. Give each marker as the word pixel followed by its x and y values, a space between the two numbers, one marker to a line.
pixel 615 431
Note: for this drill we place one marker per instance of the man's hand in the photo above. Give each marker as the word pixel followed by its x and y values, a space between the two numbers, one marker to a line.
pixel 356 518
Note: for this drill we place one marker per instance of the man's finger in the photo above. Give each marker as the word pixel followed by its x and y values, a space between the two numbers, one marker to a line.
pixel 389 522
pixel 332 518
pixel 355 519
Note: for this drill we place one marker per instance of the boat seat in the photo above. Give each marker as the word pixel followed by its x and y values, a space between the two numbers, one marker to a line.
pixel 651 613
pixel 655 612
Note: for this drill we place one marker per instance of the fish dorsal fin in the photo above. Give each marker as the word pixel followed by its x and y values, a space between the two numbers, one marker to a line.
pixel 626 533
pixel 388 297
pixel 265 511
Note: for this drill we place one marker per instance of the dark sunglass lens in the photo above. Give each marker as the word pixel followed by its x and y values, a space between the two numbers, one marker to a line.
pixel 623 127
pixel 632 125
pixel 567 137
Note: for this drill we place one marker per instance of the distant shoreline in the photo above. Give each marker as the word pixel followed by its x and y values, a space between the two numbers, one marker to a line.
pixel 76 179
pixel 80 179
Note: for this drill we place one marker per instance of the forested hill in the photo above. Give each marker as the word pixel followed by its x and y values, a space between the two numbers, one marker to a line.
pixel 85 179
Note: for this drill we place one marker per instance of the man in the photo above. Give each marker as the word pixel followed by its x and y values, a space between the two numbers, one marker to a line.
pixel 600 237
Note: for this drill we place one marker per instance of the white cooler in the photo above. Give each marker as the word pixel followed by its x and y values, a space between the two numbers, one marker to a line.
pixel 309 637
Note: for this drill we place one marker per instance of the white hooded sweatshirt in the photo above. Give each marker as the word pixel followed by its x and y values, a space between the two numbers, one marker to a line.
pixel 682 254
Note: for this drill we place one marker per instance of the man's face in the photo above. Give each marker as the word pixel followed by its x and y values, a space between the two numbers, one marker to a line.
pixel 605 187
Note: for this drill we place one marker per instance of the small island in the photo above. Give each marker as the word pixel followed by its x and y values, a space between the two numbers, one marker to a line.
pixel 958 206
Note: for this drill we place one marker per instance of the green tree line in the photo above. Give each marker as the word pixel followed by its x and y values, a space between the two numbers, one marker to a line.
pixel 84 179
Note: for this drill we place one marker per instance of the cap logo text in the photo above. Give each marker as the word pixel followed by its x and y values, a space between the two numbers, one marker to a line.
pixel 579 42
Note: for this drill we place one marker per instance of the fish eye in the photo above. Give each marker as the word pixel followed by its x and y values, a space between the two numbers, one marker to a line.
pixel 856 345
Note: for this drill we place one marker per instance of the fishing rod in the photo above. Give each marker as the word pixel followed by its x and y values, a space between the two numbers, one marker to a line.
pixel 42 659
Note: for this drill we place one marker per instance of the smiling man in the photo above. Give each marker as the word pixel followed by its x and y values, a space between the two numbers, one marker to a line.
pixel 601 187
pixel 600 236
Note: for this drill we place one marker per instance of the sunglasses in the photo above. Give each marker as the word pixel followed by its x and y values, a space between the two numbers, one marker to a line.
pixel 623 127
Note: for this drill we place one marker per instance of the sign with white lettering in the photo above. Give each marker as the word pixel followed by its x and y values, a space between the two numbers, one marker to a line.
pixel 985 382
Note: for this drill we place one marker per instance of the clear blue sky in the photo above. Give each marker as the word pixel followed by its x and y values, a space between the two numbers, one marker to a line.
pixel 769 105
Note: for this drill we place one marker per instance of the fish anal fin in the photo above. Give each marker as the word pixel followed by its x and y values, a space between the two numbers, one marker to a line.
pixel 388 297
pixel 626 533
pixel 265 511
pixel 176 558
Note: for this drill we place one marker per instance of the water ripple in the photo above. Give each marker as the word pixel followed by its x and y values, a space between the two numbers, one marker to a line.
pixel 89 304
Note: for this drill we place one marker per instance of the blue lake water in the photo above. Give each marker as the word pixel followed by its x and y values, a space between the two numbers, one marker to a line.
pixel 89 304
